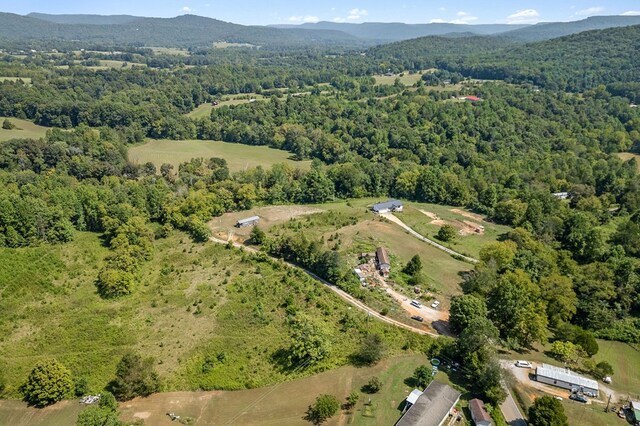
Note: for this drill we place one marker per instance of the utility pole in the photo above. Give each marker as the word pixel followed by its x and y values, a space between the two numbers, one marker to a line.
pixel 608 402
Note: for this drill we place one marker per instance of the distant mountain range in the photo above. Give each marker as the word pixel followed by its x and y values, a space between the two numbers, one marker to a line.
pixel 395 31
pixel 181 31
pixel 197 31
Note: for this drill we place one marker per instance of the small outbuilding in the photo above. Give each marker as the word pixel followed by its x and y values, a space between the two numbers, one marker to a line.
pixel 432 407
pixel 561 195
pixel 479 413
pixel 388 206
pixel 250 221
pixel 566 379
pixel 382 261
pixel 472 99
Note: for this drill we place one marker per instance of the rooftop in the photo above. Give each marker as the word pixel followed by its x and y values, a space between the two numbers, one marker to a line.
pixel 432 407
pixel 479 411
pixel 390 204
pixel 382 256
pixel 565 375
pixel 249 219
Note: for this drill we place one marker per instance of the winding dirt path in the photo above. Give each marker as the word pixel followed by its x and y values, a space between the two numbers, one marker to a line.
pixel 343 294
pixel 391 218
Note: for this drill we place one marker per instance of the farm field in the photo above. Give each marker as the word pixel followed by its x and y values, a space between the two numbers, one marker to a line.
pixel 474 231
pixel 239 157
pixel 263 406
pixel 626 156
pixel 27 80
pixel 193 302
pixel 286 404
pixel 106 64
pixel 24 129
pixel 364 233
pixel 406 79
pixel 204 110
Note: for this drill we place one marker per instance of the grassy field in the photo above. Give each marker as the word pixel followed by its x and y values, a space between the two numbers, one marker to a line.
pixel 283 404
pixel 24 129
pixel 238 156
pixel 204 110
pixel 106 64
pixel 27 80
pixel 406 79
pixel 625 360
pixel 170 51
pixel 193 302
pixel 626 156
pixel 468 241
pixel 364 232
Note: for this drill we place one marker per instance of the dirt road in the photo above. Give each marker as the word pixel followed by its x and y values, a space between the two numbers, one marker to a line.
pixel 343 294
pixel 390 217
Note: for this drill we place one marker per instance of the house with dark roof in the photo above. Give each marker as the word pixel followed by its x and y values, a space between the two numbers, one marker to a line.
pixel 382 261
pixel 388 206
pixel 432 408
pixel 479 413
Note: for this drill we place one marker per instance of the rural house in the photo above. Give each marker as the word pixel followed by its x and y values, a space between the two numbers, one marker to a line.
pixel 388 206
pixel 479 413
pixel 566 379
pixel 382 261
pixel 431 408
pixel 472 99
pixel 250 221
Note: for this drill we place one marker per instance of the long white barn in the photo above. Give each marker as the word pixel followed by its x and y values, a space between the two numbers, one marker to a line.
pixel 567 379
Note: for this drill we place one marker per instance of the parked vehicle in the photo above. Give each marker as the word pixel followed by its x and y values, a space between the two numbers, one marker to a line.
pixel 417 318
pixel 435 304
pixel 559 398
pixel 578 398
pixel 416 304
pixel 524 364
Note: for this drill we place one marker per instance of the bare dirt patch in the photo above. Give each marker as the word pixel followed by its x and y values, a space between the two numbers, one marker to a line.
pixel 470 215
pixel 223 227
pixel 465 227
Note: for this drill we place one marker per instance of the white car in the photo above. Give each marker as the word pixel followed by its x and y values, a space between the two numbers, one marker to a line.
pixel 524 364
pixel 416 304
pixel 435 304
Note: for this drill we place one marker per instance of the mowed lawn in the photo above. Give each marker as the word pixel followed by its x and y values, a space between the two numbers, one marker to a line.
pixel 24 130
pixel 626 156
pixel 287 403
pixel 238 156
pixel 467 241
pixel 625 360
pixel 27 80
pixel 406 79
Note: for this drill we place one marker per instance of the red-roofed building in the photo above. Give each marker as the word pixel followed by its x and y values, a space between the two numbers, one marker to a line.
pixel 472 98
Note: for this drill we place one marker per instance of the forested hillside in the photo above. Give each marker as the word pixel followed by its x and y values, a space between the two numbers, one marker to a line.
pixel 573 63
pixel 182 31
pixel 550 30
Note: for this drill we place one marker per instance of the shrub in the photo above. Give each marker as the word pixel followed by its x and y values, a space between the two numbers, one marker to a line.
pixel 373 386
pixel 446 233
pixel 324 408
pixel 8 125
pixel 49 382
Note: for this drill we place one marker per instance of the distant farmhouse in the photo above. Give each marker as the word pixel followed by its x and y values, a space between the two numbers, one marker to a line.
pixel 566 379
pixel 250 221
pixel 431 407
pixel 479 413
pixel 382 261
pixel 388 206
pixel 561 195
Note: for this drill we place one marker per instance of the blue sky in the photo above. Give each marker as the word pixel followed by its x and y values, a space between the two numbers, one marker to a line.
pixel 297 11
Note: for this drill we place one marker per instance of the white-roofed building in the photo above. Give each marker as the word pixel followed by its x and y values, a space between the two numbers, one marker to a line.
pixel 567 379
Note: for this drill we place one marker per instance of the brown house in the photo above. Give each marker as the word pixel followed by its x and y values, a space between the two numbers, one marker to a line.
pixel 382 260
pixel 479 413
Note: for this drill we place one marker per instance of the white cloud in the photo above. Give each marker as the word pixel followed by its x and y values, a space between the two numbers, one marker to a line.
pixel 590 11
pixel 462 18
pixel 339 19
pixel 355 14
pixel 303 19
pixel 187 9
pixel 526 16
pixel 631 13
